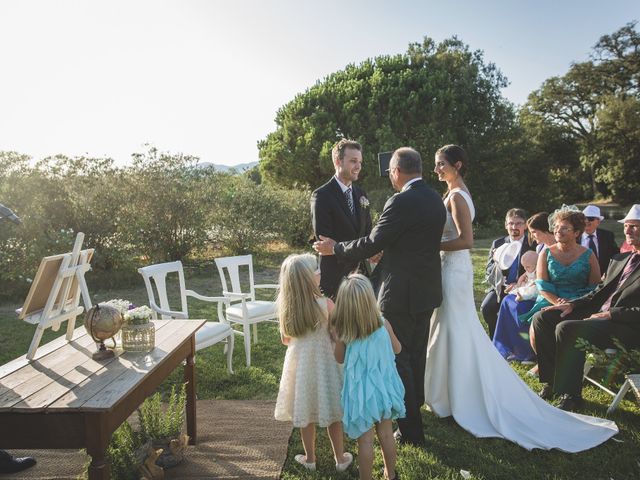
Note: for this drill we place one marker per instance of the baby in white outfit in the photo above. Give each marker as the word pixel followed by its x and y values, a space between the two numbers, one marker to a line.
pixel 526 288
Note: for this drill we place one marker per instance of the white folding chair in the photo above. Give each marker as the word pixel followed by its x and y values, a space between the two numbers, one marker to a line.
pixel 631 381
pixel 246 310
pixel 211 332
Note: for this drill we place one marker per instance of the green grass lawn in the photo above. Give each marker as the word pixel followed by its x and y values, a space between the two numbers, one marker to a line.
pixel 449 450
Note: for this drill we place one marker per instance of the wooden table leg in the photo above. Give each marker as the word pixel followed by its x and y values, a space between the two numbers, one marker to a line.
pixel 190 378
pixel 97 442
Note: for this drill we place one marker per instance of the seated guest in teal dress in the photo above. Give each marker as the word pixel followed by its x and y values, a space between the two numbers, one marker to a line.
pixel 566 270
pixel 372 393
pixel 511 337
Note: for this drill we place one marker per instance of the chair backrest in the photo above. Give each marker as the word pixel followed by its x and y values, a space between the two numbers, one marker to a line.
pixel 158 273
pixel 232 266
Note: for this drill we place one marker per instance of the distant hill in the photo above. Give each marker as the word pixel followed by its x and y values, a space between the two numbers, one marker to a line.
pixel 241 167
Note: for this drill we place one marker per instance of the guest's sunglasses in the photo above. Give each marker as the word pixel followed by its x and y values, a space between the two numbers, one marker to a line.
pixel 592 219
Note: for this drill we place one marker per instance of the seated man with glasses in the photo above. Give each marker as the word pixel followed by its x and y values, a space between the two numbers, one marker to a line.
pixel 599 240
pixel 516 226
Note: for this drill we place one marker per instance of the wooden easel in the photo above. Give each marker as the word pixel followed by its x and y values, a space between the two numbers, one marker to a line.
pixel 54 296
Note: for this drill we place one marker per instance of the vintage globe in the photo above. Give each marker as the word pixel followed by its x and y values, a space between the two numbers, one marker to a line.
pixel 102 322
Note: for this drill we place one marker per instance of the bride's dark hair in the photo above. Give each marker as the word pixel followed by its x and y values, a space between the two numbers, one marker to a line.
pixel 454 154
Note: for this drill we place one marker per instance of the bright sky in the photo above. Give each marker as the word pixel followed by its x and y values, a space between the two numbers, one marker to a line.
pixel 83 77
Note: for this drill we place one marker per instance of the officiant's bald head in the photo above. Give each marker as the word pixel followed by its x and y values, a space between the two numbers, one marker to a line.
pixel 407 160
pixel 405 165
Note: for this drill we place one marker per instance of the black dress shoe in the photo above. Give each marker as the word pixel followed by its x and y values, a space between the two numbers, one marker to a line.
pixel 570 402
pixel 13 464
pixel 547 392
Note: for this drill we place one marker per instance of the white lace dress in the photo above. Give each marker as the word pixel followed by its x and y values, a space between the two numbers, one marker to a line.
pixel 466 376
pixel 311 380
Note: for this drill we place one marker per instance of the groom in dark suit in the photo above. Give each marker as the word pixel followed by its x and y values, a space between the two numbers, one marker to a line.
pixel 611 310
pixel 340 210
pixel 409 231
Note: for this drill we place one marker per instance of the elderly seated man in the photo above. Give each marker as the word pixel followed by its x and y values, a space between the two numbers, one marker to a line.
pixel 598 239
pixel 611 310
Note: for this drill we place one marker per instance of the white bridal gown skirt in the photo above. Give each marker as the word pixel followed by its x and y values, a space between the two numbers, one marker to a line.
pixel 466 377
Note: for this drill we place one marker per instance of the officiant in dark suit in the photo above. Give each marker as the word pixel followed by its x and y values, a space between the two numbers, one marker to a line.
pixel 409 231
pixel 340 210
pixel 611 310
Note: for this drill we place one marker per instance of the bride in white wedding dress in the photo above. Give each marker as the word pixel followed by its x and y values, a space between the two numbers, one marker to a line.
pixel 465 375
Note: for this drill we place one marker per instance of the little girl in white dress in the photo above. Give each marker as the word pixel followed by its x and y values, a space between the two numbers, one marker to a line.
pixel 311 379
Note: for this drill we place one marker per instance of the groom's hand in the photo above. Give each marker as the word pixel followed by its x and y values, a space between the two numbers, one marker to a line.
pixel 324 246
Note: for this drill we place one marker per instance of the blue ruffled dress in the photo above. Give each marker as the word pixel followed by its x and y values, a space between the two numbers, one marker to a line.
pixel 372 389
pixel 566 281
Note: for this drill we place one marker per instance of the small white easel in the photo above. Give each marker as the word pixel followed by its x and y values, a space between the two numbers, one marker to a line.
pixel 54 296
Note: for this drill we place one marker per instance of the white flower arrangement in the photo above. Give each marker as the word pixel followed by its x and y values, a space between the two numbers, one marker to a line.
pixel 119 304
pixel 364 202
pixel 138 315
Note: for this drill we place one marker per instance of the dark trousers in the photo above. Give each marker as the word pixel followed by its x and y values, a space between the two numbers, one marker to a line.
pixel 560 363
pixel 412 331
pixel 490 307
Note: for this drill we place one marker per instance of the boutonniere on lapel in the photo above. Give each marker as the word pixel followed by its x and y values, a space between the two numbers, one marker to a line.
pixel 364 202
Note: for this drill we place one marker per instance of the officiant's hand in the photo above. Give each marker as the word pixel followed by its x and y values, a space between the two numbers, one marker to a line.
pixel 324 246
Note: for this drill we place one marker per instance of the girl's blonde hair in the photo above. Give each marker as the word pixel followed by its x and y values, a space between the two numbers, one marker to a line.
pixel 298 310
pixel 356 313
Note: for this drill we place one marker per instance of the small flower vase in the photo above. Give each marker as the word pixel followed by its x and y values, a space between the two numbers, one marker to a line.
pixel 138 337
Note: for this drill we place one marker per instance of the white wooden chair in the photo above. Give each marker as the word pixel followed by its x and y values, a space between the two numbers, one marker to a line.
pixel 247 310
pixel 211 332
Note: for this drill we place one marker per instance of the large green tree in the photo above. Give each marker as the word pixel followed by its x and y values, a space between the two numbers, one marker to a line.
pixel 431 95
pixel 575 105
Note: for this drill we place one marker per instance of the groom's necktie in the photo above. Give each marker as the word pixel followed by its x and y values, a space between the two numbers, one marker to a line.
pixel 631 266
pixel 349 197
pixel 592 245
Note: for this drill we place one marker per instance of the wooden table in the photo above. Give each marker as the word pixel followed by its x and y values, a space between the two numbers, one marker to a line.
pixel 64 399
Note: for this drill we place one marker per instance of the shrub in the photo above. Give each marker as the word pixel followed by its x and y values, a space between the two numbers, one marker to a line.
pixel 293 223
pixel 156 423
pixel 122 453
pixel 245 215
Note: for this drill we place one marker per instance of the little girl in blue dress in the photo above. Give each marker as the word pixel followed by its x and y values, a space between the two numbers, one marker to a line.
pixel 372 394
